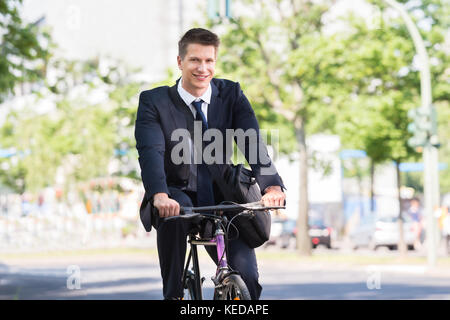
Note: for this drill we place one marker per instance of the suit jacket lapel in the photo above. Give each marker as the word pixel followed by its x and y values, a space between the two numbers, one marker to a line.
pixel 215 107
pixel 181 120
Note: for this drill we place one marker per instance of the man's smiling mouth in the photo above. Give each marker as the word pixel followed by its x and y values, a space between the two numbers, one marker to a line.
pixel 201 77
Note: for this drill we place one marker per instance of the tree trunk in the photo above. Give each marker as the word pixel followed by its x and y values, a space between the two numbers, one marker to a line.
pixel 303 239
pixel 401 237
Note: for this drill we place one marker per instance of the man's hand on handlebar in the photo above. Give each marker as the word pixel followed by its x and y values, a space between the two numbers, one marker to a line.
pixel 273 197
pixel 166 207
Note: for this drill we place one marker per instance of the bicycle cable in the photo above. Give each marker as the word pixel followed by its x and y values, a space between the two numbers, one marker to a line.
pixel 230 223
pixel 227 228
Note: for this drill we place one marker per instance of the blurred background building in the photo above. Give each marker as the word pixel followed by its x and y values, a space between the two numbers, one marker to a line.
pixel 142 33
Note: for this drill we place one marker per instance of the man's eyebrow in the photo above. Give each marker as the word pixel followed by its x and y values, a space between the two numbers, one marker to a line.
pixel 197 58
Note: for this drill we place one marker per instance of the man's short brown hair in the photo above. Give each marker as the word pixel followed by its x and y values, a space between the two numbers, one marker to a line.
pixel 199 36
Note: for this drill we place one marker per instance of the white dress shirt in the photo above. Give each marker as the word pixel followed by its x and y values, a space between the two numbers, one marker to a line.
pixel 189 98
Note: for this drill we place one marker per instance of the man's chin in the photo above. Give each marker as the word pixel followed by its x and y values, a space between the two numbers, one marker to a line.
pixel 202 84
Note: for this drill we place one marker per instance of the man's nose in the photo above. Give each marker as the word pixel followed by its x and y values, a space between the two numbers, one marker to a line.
pixel 202 66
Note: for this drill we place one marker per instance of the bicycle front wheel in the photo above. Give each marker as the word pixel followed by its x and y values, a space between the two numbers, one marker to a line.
pixel 232 288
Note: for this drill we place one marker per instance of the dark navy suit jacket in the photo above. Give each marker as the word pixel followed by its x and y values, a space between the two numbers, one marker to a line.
pixel 158 116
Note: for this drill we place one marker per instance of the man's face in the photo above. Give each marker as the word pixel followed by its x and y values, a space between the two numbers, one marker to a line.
pixel 197 68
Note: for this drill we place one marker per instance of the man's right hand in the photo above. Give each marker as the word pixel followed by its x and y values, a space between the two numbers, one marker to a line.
pixel 166 207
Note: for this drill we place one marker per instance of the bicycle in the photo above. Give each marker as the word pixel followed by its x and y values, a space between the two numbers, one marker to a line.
pixel 228 283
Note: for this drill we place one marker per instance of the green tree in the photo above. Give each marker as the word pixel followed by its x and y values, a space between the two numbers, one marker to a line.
pixel 91 118
pixel 79 140
pixel 381 69
pixel 359 83
pixel 24 48
pixel 289 69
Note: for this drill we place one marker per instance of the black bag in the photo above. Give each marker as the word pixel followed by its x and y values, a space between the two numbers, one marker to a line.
pixel 237 184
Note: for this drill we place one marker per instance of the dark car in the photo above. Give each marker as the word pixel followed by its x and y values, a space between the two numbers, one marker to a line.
pixel 318 232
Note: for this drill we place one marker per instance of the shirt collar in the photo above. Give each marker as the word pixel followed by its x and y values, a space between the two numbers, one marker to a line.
pixel 189 98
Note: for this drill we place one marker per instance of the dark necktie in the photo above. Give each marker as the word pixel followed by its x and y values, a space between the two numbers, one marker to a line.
pixel 205 193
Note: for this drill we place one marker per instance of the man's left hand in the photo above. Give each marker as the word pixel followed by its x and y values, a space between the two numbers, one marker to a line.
pixel 273 197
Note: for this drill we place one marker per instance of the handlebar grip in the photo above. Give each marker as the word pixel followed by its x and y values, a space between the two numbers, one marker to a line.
pixel 182 210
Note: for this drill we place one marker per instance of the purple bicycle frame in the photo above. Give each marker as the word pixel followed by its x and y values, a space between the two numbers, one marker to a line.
pixel 220 246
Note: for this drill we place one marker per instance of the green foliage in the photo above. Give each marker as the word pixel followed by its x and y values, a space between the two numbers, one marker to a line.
pixel 359 84
pixel 277 55
pixel 76 140
pixel 24 49
pixel 386 84
pixel 280 55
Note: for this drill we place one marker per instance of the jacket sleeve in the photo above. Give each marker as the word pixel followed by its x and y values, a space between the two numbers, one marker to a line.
pixel 150 144
pixel 252 145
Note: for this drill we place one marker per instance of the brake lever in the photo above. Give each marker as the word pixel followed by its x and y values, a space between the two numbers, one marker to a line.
pixel 248 212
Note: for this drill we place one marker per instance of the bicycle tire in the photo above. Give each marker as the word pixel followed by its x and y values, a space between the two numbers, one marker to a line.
pixel 232 287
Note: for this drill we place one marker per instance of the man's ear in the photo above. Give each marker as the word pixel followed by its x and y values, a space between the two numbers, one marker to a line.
pixel 179 62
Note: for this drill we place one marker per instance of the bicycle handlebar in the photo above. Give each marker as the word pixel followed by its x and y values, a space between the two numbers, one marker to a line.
pixel 190 212
pixel 254 206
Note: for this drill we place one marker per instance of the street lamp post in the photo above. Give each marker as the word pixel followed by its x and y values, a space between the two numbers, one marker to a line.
pixel 430 152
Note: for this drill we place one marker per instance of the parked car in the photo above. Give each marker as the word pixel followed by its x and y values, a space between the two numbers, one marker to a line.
pixel 284 233
pixel 319 233
pixel 383 231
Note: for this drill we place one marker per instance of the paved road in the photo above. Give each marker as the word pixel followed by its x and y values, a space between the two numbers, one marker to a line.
pixel 136 276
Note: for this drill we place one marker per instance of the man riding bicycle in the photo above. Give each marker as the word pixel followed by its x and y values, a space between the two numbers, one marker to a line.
pixel 214 104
